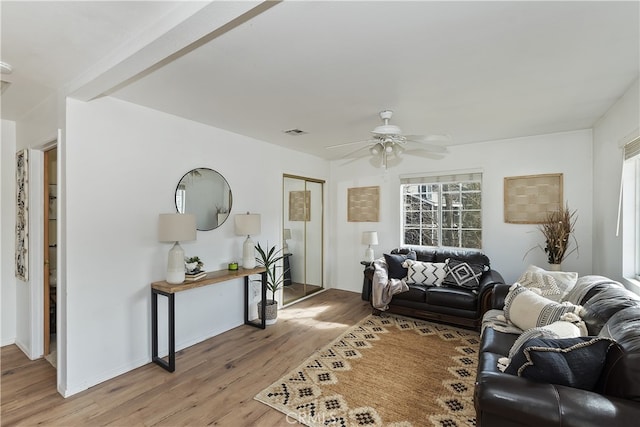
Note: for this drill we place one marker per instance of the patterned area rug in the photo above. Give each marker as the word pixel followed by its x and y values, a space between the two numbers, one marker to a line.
pixel 386 371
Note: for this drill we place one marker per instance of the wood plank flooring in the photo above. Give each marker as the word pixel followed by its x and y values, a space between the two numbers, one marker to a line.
pixel 214 382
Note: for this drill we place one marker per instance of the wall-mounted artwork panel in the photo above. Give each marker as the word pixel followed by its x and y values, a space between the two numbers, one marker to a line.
pixel 363 204
pixel 527 199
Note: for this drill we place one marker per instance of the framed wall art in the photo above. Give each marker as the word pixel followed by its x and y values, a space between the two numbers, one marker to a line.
pixel 527 199
pixel 22 215
pixel 300 205
pixel 363 204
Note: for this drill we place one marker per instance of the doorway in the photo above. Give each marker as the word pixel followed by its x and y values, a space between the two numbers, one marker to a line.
pixel 303 236
pixel 50 255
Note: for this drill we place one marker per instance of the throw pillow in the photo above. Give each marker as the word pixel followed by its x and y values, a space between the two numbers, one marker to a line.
pixel 424 273
pixel 565 328
pixel 463 274
pixel 394 264
pixel 553 284
pixel 572 362
pixel 527 309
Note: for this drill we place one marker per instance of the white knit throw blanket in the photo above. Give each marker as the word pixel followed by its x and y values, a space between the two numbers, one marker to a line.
pixel 383 288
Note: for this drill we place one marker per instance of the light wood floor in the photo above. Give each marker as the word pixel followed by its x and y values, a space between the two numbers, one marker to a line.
pixel 214 382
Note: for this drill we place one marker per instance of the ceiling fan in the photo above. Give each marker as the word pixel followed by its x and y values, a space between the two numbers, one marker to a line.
pixel 387 144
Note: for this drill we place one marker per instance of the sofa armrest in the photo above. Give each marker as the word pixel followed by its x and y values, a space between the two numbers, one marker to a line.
pixel 488 281
pixel 502 399
pixel 499 294
pixel 367 282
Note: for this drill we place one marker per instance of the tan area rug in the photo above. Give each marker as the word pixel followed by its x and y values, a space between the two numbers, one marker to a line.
pixel 386 371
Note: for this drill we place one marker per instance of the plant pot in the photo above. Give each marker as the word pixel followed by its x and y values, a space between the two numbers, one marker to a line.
pixel 271 311
pixel 555 267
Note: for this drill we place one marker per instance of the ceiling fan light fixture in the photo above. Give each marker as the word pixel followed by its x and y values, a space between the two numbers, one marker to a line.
pixel 388 147
pixel 387 129
pixel 376 149
pixel 397 149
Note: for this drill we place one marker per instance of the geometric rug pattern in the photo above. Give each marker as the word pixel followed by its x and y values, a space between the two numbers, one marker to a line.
pixel 387 370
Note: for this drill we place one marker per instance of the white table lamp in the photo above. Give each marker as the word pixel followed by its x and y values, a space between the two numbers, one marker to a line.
pixel 286 235
pixel 246 225
pixel 176 228
pixel 369 238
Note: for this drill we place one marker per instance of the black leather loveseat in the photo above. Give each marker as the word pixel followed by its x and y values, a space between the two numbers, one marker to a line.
pixel 508 400
pixel 454 305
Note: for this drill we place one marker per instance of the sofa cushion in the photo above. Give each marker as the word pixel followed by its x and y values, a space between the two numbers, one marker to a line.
pixel 394 264
pixel 452 297
pixel 552 284
pixel 606 303
pixel 559 329
pixel 415 293
pixel 572 362
pixel 527 309
pixel 463 274
pixel 621 375
pixel 424 273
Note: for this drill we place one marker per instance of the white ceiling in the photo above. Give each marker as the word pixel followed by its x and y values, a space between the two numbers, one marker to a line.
pixel 474 70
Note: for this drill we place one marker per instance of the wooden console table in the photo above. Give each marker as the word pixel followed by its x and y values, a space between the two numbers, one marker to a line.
pixel 212 277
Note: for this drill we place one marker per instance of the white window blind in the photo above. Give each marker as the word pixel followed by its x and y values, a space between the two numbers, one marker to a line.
pixel 632 149
pixel 439 179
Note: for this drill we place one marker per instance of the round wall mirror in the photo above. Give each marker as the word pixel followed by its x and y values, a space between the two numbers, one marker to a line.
pixel 205 193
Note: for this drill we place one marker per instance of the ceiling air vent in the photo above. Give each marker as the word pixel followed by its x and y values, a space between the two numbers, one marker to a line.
pixel 294 132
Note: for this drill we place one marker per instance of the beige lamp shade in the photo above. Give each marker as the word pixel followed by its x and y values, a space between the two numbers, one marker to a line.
pixel 247 224
pixel 176 227
pixel 369 237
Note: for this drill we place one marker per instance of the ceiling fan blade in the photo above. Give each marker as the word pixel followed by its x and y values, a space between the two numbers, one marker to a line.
pixel 430 138
pixel 352 154
pixel 346 144
pixel 426 154
pixel 428 146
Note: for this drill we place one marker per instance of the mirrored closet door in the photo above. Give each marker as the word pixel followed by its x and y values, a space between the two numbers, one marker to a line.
pixel 302 236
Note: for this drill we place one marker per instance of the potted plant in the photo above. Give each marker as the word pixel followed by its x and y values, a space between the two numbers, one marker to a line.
pixel 193 264
pixel 269 258
pixel 557 229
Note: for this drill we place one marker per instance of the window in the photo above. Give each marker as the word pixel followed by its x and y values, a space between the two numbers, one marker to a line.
pixel 631 210
pixel 442 210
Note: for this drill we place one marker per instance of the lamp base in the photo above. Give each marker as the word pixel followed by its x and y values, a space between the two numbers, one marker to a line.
pixel 248 254
pixel 175 265
pixel 368 254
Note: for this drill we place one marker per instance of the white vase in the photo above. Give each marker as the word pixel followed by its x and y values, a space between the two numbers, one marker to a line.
pixel 555 267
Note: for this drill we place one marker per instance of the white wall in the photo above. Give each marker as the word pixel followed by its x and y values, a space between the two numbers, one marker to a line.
pixel 505 244
pixel 621 122
pixel 123 162
pixel 7 233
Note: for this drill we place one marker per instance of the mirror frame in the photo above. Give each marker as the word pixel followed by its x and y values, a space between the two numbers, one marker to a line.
pixel 219 180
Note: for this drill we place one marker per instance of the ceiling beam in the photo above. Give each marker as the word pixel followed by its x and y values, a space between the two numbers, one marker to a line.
pixel 187 27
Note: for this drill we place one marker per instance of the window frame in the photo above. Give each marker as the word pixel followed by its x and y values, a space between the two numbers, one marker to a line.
pixel 630 209
pixel 441 181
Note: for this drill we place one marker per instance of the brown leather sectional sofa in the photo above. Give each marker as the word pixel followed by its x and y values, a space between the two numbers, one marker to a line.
pixel 507 400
